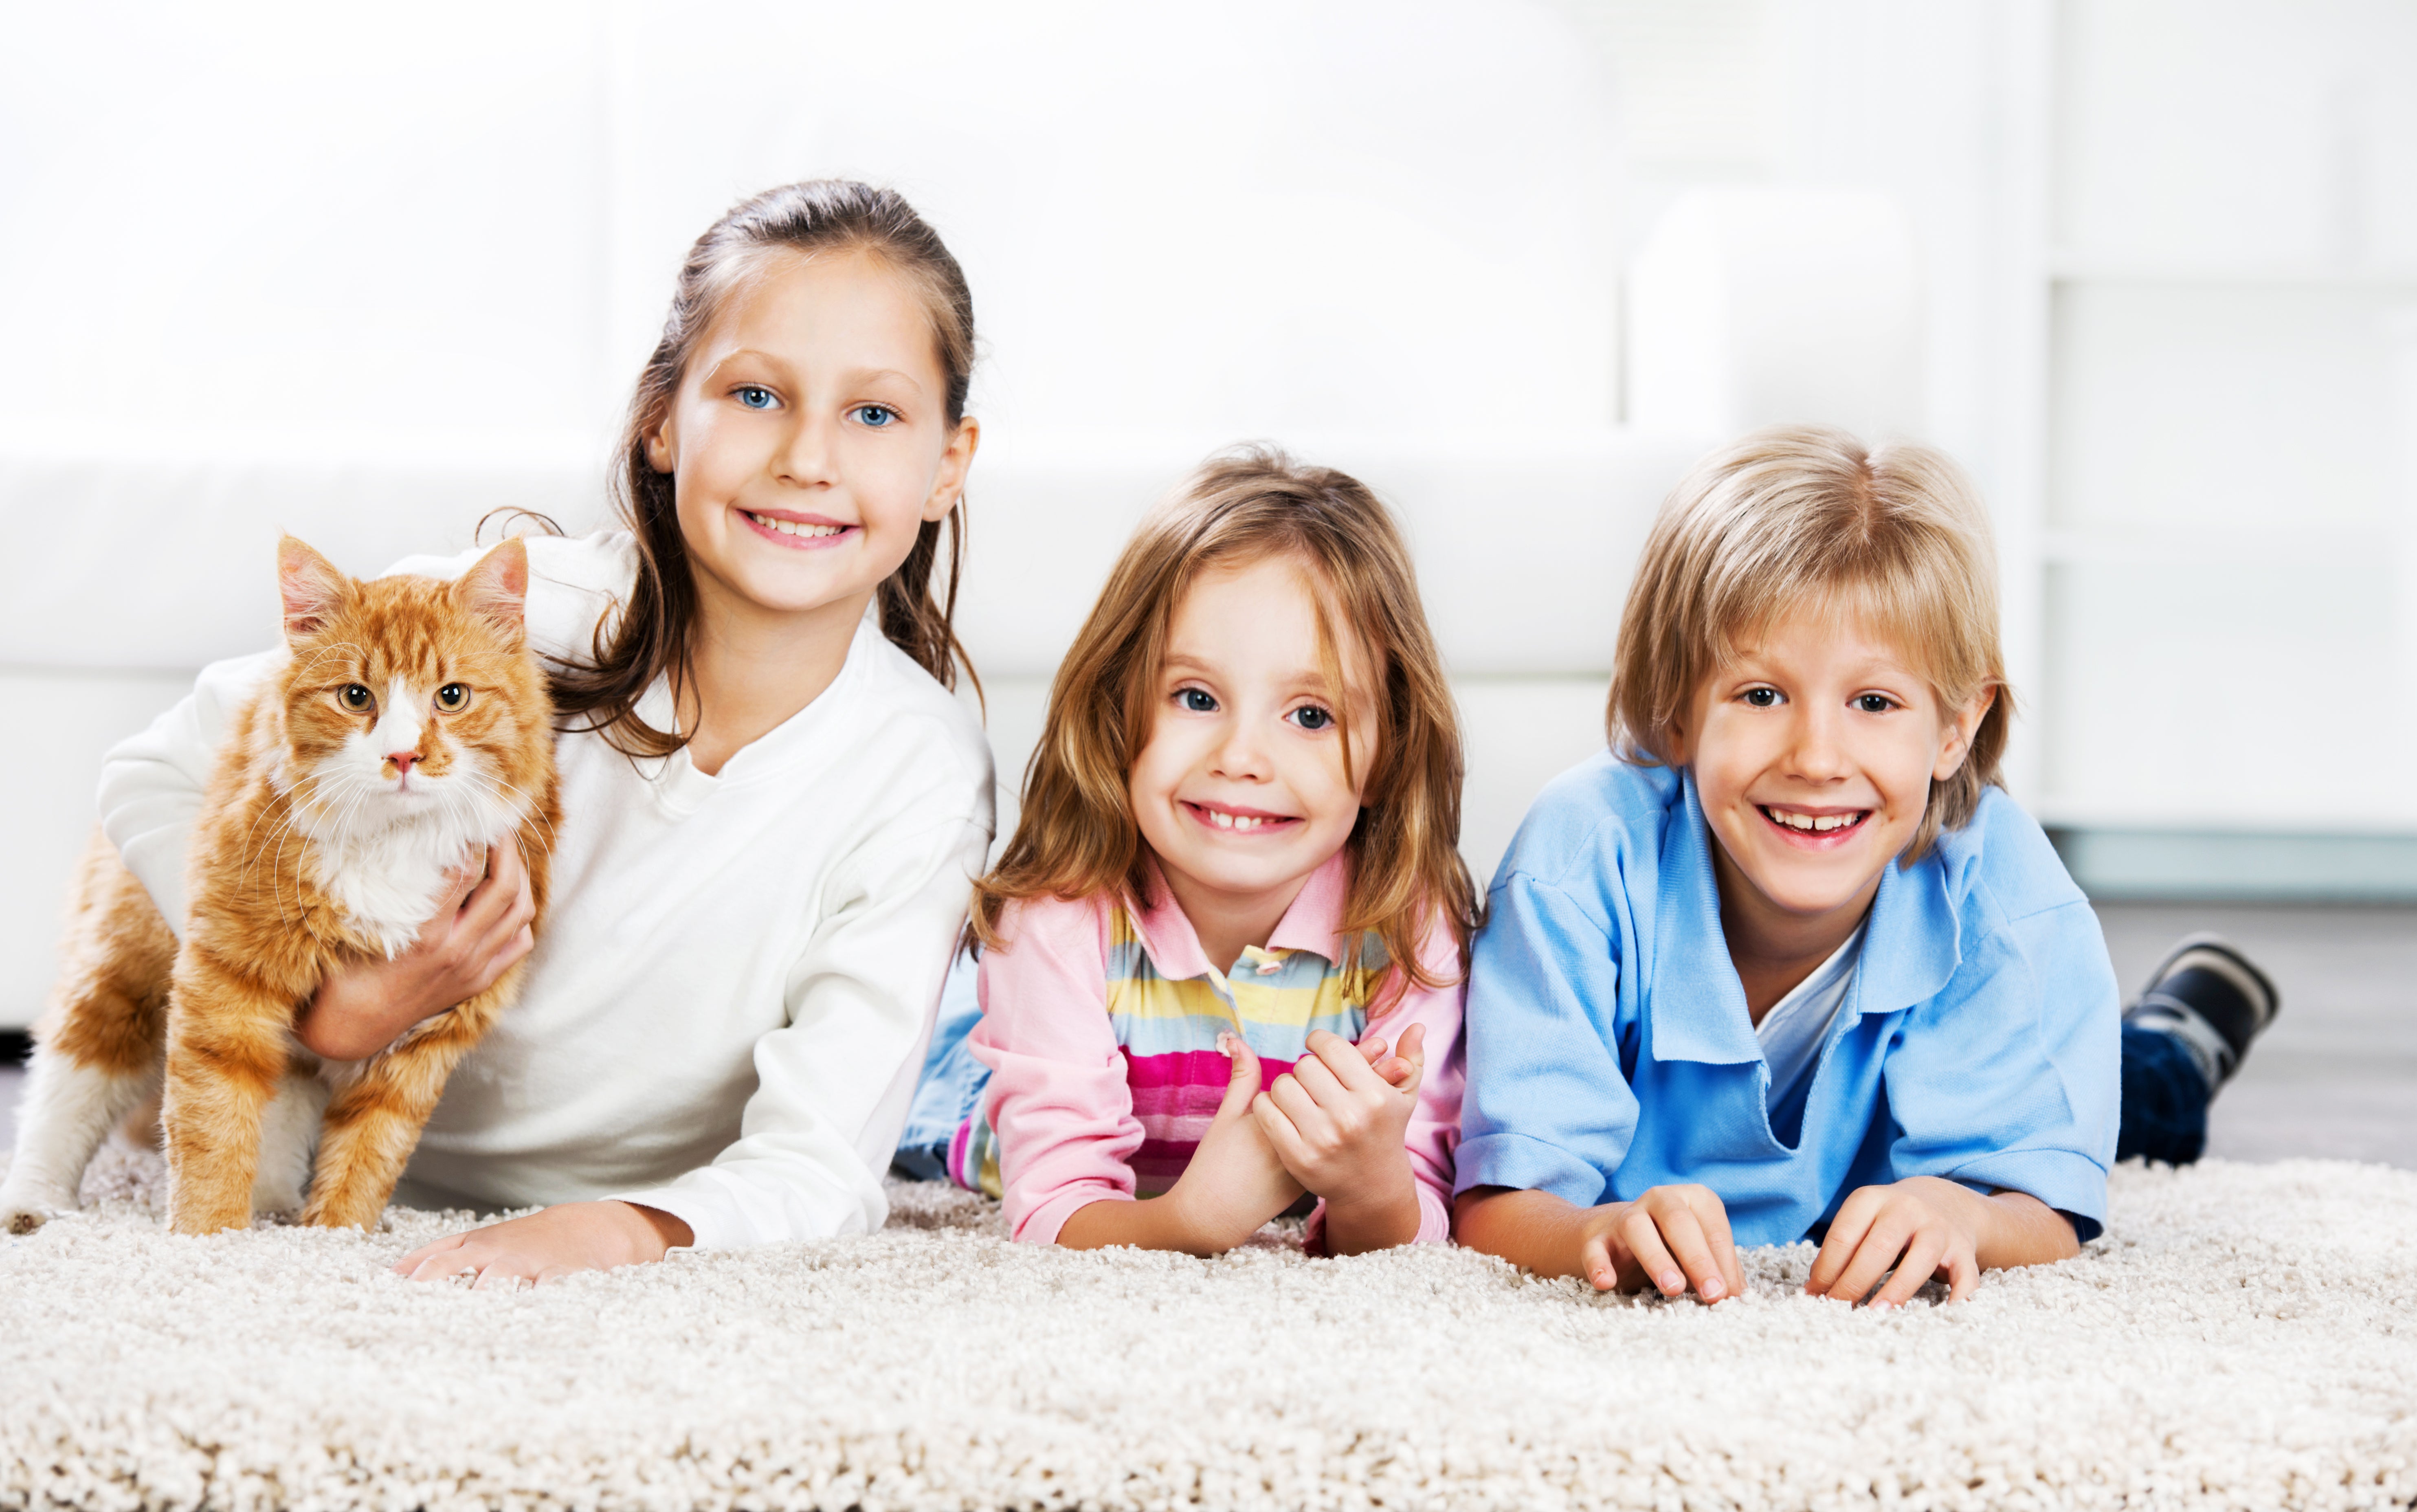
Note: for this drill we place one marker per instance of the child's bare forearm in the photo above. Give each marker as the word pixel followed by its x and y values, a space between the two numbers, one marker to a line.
pixel 1151 1222
pixel 1377 1222
pixel 552 1242
pixel 1545 1234
pixel 2024 1230
pixel 2008 1229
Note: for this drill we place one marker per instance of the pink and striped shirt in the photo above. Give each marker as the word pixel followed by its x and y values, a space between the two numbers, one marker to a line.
pixel 1099 1025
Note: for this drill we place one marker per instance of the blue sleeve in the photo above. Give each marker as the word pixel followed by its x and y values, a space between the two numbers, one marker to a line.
pixel 1547 1107
pixel 2009 1078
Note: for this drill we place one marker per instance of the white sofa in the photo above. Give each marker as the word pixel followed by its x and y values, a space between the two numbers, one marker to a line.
pixel 127 570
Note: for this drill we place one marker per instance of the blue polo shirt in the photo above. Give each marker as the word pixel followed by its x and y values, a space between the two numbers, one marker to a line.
pixel 1610 1050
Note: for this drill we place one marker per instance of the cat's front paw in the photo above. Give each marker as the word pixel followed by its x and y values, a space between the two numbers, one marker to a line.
pixel 22 1213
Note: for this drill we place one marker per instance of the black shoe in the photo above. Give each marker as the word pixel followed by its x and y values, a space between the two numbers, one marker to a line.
pixel 2213 999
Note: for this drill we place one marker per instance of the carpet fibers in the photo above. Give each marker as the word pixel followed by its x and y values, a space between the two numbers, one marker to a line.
pixel 2244 1336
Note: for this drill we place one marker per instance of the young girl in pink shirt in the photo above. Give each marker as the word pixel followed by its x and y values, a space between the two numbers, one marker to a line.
pixel 1222 958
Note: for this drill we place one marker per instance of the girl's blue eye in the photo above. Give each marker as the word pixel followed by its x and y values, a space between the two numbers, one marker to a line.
pixel 1196 701
pixel 1762 698
pixel 878 417
pixel 755 396
pixel 1311 717
pixel 1873 703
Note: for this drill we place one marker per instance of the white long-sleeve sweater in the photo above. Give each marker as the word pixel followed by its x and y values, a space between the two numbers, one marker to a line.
pixel 727 1008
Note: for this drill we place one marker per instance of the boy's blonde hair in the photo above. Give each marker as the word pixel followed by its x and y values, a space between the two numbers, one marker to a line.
pixel 1806 517
pixel 1076 837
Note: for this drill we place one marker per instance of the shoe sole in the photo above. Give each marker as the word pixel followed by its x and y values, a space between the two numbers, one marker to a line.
pixel 2217 945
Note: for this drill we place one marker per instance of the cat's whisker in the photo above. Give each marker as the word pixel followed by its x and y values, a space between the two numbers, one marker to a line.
pixel 283 810
pixel 286 819
pixel 534 811
pixel 321 654
pixel 342 651
pixel 450 802
pixel 276 873
pixel 520 844
pixel 349 791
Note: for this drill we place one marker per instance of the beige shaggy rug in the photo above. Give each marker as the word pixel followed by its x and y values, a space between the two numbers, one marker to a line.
pixel 2244 1336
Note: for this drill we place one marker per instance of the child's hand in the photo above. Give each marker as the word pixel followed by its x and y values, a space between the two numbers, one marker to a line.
pixel 1235 1182
pixel 1337 1119
pixel 479 929
pixel 1666 1238
pixel 1923 1225
pixel 543 1246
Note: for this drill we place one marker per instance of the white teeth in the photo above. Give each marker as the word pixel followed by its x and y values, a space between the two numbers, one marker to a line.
pixel 1234 821
pixel 1814 824
pixel 794 527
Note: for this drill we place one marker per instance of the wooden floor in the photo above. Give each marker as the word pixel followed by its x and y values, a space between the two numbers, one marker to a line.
pixel 2337 1073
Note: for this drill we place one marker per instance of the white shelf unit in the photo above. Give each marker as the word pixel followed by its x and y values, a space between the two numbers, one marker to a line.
pixel 2225 556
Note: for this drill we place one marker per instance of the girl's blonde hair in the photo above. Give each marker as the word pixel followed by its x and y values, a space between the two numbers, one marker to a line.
pixel 1804 517
pixel 1076 837
pixel 654 632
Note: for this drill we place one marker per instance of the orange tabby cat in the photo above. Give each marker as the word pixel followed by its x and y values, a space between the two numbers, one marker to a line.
pixel 408 728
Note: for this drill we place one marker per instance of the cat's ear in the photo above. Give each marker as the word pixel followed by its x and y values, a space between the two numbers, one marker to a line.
pixel 497 588
pixel 311 587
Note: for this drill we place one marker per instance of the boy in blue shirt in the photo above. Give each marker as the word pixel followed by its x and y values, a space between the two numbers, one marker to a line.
pixel 1787 960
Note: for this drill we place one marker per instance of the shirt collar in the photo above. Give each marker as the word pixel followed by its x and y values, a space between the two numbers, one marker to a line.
pixel 1698 1005
pixel 1310 924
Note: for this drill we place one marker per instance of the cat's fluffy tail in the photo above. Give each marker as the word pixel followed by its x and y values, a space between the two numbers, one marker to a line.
pixel 98 1051
pixel 67 1111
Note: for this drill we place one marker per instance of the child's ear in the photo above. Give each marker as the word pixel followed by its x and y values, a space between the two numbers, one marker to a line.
pixel 495 589
pixel 659 446
pixel 310 586
pixel 949 487
pixel 1962 726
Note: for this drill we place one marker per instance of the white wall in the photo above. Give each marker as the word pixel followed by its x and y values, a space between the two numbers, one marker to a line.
pixel 2169 251
pixel 2233 504
pixel 365 276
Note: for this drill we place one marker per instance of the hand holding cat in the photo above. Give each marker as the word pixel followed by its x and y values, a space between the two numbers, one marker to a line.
pixel 480 928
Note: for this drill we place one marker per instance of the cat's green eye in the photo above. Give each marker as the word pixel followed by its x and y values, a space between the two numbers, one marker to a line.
pixel 453 698
pixel 355 697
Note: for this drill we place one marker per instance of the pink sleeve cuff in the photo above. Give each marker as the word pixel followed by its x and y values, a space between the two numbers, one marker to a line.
pixel 1435 1222
pixel 1043 1224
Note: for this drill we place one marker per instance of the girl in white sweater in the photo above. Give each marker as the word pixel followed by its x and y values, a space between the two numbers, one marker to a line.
pixel 772 805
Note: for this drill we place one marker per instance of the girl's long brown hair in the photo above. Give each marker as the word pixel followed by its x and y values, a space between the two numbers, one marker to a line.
pixel 651 634
pixel 1076 837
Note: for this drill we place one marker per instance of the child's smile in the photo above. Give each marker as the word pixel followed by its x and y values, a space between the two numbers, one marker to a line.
pixel 1814 828
pixel 800 532
pixel 1241 791
pixel 1229 818
pixel 810 439
pixel 1814 751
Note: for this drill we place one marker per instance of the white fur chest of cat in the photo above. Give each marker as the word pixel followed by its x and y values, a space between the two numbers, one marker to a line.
pixel 409 728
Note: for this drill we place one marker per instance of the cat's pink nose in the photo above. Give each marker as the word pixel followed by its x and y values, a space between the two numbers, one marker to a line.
pixel 402 760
